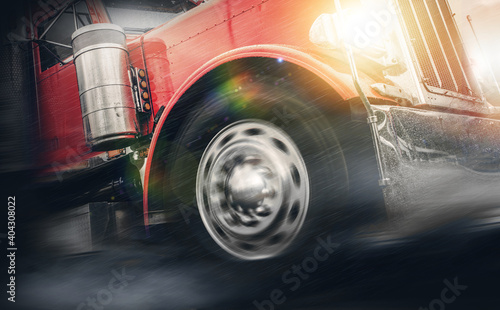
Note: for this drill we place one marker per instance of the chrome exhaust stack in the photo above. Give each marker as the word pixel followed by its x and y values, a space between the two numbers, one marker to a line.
pixel 106 98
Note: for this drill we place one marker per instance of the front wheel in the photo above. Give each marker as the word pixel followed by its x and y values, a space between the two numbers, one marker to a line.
pixel 252 189
pixel 262 168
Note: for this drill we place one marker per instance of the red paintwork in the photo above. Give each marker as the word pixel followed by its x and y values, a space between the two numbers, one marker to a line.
pixel 61 124
pixel 97 12
pixel 179 52
pixel 62 138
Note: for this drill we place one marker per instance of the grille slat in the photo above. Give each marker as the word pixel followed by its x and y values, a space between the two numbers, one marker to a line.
pixel 434 45
pixel 419 44
pixel 448 49
pixel 457 42
pixel 437 44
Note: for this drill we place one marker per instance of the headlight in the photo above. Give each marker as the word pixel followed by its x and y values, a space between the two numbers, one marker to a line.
pixel 323 32
pixel 367 28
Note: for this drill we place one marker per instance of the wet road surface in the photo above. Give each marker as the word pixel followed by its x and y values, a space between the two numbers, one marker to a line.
pixel 453 267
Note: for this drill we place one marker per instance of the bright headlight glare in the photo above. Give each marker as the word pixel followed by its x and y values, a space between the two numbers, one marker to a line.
pixel 366 28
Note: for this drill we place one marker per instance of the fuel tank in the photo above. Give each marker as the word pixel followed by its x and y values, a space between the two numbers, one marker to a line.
pixel 103 71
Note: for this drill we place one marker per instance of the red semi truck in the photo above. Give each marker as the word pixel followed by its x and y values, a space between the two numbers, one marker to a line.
pixel 259 122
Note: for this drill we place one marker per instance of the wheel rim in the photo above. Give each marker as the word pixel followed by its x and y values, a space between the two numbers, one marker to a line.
pixel 252 190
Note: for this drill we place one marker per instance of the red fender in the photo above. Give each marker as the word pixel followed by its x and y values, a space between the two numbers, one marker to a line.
pixel 340 82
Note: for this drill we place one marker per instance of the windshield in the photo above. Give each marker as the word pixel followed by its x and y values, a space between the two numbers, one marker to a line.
pixel 143 16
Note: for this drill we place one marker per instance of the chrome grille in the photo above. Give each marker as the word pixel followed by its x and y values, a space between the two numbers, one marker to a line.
pixel 437 45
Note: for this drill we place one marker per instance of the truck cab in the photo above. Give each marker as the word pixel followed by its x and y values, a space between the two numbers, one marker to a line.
pixel 263 120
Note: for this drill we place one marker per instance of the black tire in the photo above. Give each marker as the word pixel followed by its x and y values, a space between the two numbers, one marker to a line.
pixel 309 125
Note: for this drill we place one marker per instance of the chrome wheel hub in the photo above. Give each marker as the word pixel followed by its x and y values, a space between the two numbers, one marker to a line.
pixel 252 189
